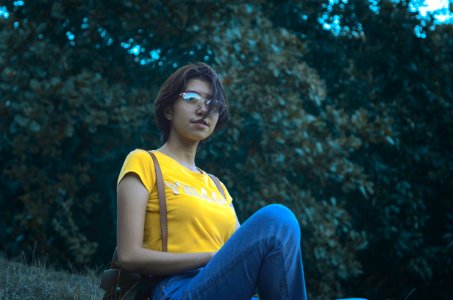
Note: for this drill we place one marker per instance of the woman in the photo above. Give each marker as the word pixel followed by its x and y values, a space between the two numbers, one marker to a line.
pixel 210 255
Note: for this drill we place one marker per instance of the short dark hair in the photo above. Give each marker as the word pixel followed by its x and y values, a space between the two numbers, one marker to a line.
pixel 176 83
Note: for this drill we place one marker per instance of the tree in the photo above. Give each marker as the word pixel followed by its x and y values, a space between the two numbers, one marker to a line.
pixel 336 126
pixel 399 79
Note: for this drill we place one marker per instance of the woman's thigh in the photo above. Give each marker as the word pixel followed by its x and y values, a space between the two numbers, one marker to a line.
pixel 223 276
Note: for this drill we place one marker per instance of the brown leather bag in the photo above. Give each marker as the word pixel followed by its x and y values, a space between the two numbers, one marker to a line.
pixel 120 284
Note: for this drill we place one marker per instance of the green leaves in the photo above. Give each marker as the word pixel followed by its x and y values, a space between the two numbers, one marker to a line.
pixel 52 153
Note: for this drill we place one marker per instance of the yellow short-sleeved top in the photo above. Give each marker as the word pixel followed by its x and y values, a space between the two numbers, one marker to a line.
pixel 199 218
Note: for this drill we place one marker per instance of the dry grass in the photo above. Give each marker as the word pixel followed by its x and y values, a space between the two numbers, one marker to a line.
pixel 19 280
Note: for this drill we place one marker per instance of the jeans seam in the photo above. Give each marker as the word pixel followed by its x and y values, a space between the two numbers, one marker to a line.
pixel 283 278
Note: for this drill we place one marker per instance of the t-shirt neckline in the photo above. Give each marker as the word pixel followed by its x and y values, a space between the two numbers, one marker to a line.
pixel 200 173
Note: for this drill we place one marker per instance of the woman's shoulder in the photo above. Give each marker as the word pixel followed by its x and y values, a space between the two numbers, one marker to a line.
pixel 139 154
pixel 139 158
pixel 139 161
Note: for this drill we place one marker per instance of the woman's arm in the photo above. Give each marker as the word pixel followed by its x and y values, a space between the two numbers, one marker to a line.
pixel 132 201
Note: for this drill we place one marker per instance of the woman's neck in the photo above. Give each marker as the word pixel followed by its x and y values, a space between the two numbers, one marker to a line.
pixel 182 153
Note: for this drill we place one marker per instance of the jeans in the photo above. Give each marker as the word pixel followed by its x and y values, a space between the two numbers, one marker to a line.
pixel 263 253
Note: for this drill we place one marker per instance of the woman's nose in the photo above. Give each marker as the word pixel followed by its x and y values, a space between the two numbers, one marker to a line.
pixel 202 108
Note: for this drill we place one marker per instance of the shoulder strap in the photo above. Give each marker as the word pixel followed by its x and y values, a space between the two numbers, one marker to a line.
pixel 218 185
pixel 162 202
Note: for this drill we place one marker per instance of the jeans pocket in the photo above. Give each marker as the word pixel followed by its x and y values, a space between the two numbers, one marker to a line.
pixel 175 285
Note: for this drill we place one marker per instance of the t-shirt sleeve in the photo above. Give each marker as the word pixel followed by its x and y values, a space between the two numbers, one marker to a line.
pixel 229 199
pixel 140 163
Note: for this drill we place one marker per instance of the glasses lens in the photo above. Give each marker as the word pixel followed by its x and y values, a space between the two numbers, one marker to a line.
pixel 216 106
pixel 190 97
pixel 191 100
pixel 194 101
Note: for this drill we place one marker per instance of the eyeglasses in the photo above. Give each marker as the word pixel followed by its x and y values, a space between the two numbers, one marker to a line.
pixel 194 101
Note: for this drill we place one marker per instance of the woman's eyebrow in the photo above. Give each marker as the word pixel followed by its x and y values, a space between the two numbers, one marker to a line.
pixel 206 96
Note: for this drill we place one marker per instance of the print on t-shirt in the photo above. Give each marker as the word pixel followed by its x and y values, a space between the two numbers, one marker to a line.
pixel 179 188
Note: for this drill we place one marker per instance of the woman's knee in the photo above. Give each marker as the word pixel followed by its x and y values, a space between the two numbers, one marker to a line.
pixel 279 216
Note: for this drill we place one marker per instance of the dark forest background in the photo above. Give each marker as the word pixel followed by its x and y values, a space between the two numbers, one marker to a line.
pixel 350 127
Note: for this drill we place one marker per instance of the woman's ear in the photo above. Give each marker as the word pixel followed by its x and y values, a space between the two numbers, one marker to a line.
pixel 168 113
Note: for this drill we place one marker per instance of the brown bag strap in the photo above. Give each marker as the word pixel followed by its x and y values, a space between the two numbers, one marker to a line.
pixel 162 202
pixel 218 185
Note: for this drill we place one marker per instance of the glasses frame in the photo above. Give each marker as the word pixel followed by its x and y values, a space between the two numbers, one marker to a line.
pixel 202 101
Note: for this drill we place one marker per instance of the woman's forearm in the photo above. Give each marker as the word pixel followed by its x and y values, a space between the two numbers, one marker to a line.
pixel 162 263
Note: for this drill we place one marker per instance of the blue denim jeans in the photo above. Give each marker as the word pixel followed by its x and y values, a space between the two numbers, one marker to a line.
pixel 264 254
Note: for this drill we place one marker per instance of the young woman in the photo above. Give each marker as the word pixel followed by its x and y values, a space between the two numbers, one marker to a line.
pixel 210 255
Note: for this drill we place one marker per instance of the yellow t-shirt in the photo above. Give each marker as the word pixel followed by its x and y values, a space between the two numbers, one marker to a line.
pixel 199 218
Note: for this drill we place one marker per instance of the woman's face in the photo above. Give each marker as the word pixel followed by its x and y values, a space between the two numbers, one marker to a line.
pixel 189 123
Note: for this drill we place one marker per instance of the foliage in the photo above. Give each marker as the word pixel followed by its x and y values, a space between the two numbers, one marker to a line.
pixel 402 82
pixel 53 115
pixel 350 130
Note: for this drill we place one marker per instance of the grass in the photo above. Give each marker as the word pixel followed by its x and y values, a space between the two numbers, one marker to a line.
pixel 19 280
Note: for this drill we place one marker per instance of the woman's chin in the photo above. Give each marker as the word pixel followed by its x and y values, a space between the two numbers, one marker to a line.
pixel 196 138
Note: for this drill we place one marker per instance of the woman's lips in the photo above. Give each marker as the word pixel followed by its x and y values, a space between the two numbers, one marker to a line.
pixel 201 122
